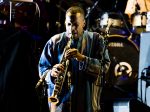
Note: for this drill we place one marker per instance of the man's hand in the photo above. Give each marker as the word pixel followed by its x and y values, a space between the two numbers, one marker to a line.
pixel 74 53
pixel 57 70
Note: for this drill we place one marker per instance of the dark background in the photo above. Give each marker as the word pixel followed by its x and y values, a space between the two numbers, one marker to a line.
pixel 21 46
pixel 46 17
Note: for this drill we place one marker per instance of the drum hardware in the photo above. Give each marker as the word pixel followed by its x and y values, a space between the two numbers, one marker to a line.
pixel 3 19
pixel 113 17
pixel 116 3
pixel 104 20
pixel 116 24
pixel 20 13
pixel 124 68
pixel 108 27
pixel 125 23
pixel 139 22
pixel 89 10
pixel 130 37
pixel 111 22
pixel 138 19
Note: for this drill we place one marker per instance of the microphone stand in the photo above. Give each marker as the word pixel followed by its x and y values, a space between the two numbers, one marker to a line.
pixel 89 10
pixel 105 48
pixel 106 35
pixel 69 88
pixel 41 89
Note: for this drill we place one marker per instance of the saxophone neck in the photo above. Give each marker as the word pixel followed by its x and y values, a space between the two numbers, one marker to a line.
pixel 69 42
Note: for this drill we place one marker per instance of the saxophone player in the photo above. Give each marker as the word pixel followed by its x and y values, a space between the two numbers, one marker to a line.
pixel 88 61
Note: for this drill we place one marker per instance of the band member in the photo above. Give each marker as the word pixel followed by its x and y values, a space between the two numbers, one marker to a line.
pixel 74 61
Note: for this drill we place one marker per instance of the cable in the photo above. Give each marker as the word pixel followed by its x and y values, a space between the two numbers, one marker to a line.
pixel 125 23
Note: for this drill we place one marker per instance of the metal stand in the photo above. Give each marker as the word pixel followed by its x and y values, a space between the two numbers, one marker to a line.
pixel 89 10
pixel 42 96
pixel 69 88
pixel 41 89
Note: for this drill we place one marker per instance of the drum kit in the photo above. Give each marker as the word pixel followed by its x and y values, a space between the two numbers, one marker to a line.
pixel 123 38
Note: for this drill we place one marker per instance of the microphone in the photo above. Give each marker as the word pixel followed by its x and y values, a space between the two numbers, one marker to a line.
pixel 41 79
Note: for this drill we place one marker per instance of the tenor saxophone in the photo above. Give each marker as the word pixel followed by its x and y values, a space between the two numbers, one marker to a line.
pixel 61 78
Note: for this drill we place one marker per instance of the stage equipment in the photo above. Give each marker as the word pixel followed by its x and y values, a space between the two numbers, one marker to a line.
pixel 20 14
pixel 123 72
pixel 4 15
pixel 139 21
pixel 13 4
pixel 116 23
pixel 144 66
pixel 110 18
pixel 89 11
pixel 134 6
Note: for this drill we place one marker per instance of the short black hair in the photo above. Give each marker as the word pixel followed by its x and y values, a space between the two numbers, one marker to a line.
pixel 76 9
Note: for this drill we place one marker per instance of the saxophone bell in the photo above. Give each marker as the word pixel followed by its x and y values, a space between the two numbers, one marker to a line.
pixel 53 99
